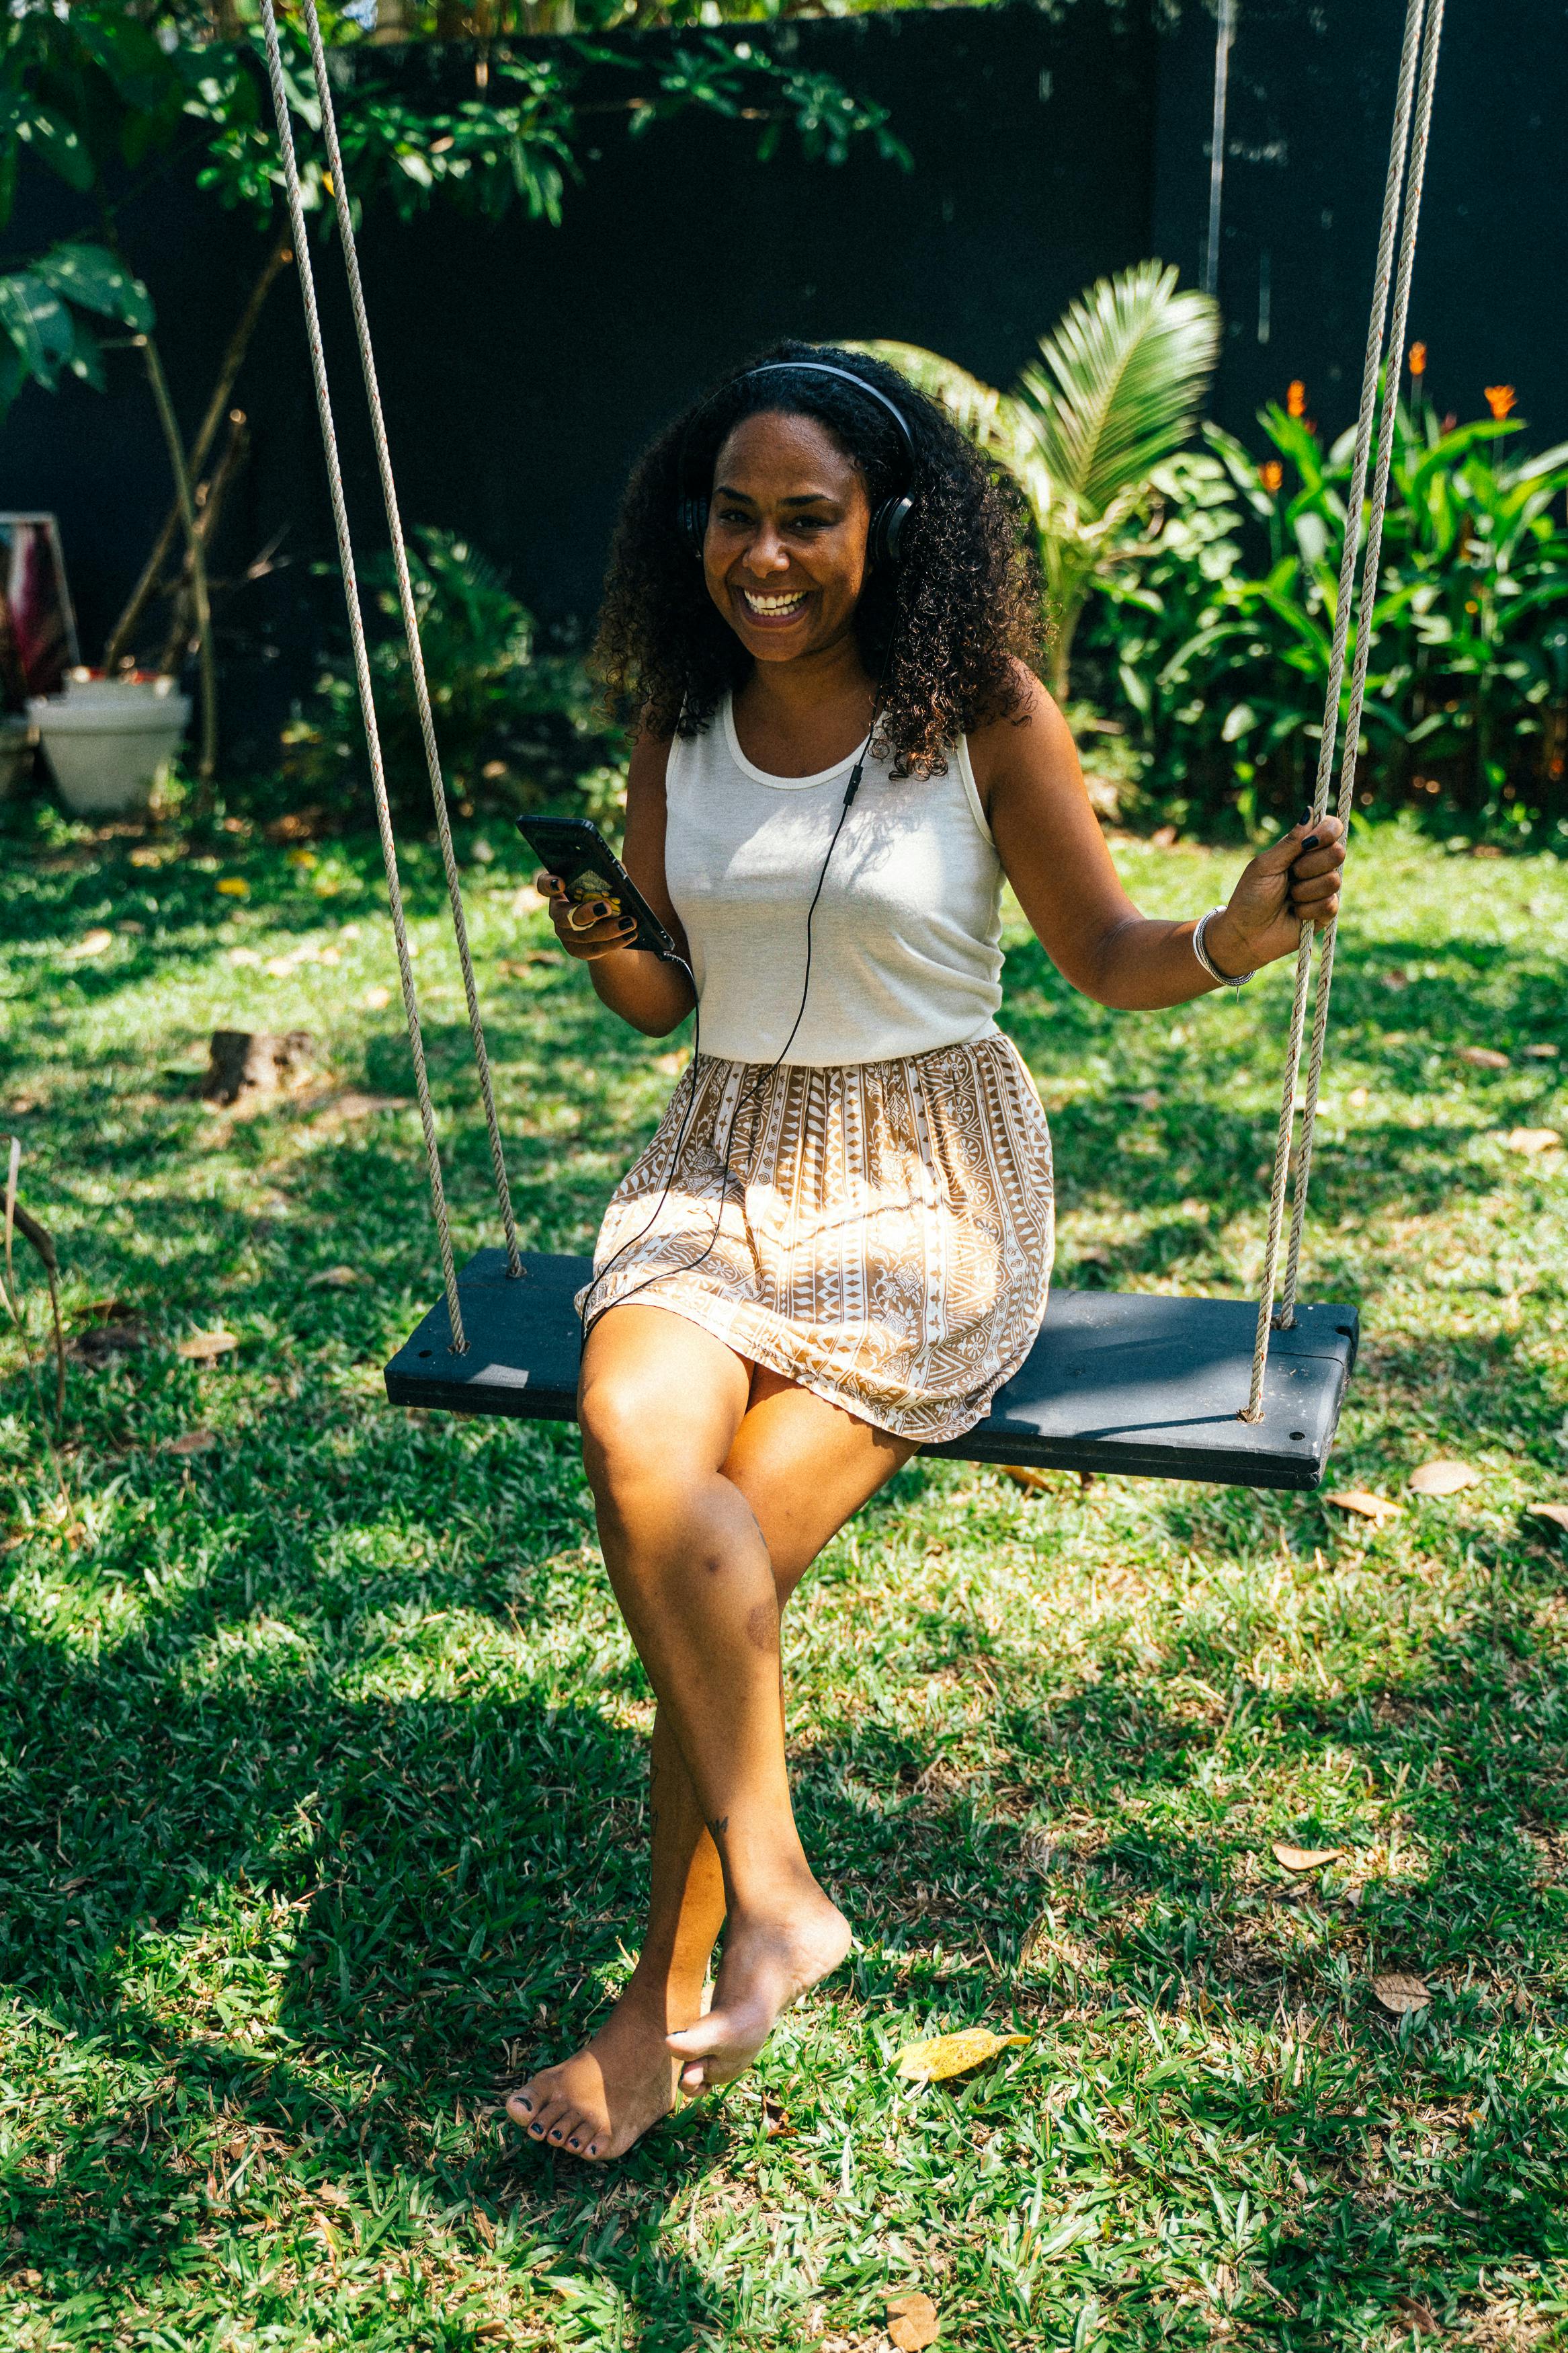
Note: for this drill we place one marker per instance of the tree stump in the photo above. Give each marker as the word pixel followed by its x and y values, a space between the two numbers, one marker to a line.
pixel 256 1062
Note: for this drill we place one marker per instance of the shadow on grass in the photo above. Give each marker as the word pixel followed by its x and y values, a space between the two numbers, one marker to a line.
pixel 295 1709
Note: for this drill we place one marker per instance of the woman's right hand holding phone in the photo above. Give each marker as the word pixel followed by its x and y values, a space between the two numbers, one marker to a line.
pixel 587 929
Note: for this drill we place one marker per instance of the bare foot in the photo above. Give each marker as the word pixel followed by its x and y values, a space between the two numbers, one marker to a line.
pixel 769 1961
pixel 606 2095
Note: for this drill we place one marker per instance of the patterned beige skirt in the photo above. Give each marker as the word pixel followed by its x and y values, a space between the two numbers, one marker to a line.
pixel 882 1233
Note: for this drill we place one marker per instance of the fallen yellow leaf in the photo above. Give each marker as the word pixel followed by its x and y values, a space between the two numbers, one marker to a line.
pixel 952 2054
pixel 1024 1474
pixel 1485 1058
pixel 1305 1858
pixel 912 2321
pixel 1366 1507
pixel 1441 1478
pixel 1533 1139
pixel 234 886
pixel 1401 1994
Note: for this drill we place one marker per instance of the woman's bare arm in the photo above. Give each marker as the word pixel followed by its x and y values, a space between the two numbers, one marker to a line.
pixel 1057 860
pixel 653 996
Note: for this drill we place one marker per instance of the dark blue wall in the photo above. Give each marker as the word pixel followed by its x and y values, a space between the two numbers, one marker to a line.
pixel 524 367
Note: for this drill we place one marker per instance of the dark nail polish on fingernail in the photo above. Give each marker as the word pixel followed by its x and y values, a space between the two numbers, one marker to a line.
pixel 1311 842
pixel 1306 815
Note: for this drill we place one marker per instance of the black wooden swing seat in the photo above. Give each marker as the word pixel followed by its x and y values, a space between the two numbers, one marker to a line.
pixel 1137 1384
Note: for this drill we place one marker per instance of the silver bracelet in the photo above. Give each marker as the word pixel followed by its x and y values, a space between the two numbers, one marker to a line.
pixel 1236 980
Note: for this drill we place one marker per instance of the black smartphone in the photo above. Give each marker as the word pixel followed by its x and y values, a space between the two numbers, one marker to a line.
pixel 576 851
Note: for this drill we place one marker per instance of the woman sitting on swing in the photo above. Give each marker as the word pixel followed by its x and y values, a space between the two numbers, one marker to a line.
pixel 837 1246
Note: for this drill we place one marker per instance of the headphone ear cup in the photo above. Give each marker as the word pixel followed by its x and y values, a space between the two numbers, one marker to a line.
pixel 691 522
pixel 887 530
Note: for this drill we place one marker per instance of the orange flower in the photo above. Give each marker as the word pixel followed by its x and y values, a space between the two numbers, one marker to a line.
pixel 1272 475
pixel 1417 359
pixel 1296 399
pixel 1500 398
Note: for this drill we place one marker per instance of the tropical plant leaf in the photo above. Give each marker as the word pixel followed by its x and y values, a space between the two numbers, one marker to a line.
pixel 988 416
pixel 38 324
pixel 1120 384
pixel 92 278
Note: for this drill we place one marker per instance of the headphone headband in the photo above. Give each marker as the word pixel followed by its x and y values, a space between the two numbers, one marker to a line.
pixel 888 520
pixel 821 367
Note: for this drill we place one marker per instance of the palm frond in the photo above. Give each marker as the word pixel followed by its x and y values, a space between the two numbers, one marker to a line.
pixel 1120 387
pixel 988 416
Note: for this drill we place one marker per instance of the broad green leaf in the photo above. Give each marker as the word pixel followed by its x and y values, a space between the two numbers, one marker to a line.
pixel 55 142
pixel 38 324
pixel 92 278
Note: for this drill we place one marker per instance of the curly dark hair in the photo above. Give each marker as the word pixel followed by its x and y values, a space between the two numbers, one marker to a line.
pixel 951 621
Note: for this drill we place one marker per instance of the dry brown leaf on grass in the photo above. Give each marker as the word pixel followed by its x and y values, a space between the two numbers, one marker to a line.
pixel 192 1441
pixel 1305 1858
pixel 1364 1506
pixel 912 2321
pixel 1485 1058
pixel 1441 1477
pixel 1022 1476
pixel 1532 1139
pixel 1556 1513
pixel 336 1278
pixel 1419 2314
pixel 952 2054
pixel 357 1106
pixel 1401 1993
pixel 206 1348
pixel 1539 1053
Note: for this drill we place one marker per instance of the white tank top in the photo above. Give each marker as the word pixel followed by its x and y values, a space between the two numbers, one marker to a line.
pixel 906 942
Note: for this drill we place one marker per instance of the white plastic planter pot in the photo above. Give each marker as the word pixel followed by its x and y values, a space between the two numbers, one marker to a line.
pixel 108 739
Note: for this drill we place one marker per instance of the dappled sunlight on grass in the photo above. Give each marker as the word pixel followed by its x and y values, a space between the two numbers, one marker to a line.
pixel 324 1767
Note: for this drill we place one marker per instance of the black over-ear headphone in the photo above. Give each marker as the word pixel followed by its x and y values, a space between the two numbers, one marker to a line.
pixel 887 522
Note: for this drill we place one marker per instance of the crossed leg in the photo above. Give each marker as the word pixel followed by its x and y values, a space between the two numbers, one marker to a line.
pixel 717 1485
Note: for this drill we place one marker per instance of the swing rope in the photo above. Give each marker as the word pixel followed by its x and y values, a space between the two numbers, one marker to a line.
pixel 1364 633
pixel 1402 195
pixel 410 623
pixel 1416 19
pixel 361 662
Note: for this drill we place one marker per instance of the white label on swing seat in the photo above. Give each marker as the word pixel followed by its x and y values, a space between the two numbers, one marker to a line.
pixel 506 1377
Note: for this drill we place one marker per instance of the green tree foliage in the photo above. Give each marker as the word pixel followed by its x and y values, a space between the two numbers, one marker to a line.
pixel 1215 629
pixel 516 721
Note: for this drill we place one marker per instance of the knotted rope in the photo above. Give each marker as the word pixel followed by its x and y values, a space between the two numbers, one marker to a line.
pixel 1416 19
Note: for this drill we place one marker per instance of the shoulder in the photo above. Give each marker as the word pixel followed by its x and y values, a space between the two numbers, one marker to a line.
pixel 649 768
pixel 1030 745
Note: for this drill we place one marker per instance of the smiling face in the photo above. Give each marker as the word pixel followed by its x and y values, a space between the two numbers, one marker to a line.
pixel 784 554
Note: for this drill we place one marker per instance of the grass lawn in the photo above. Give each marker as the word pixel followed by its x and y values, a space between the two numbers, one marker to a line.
pixel 321 1781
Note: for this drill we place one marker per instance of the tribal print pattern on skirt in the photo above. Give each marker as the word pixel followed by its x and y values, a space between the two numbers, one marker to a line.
pixel 884 1237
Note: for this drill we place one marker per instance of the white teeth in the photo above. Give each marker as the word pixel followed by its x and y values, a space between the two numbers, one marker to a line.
pixel 772 604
